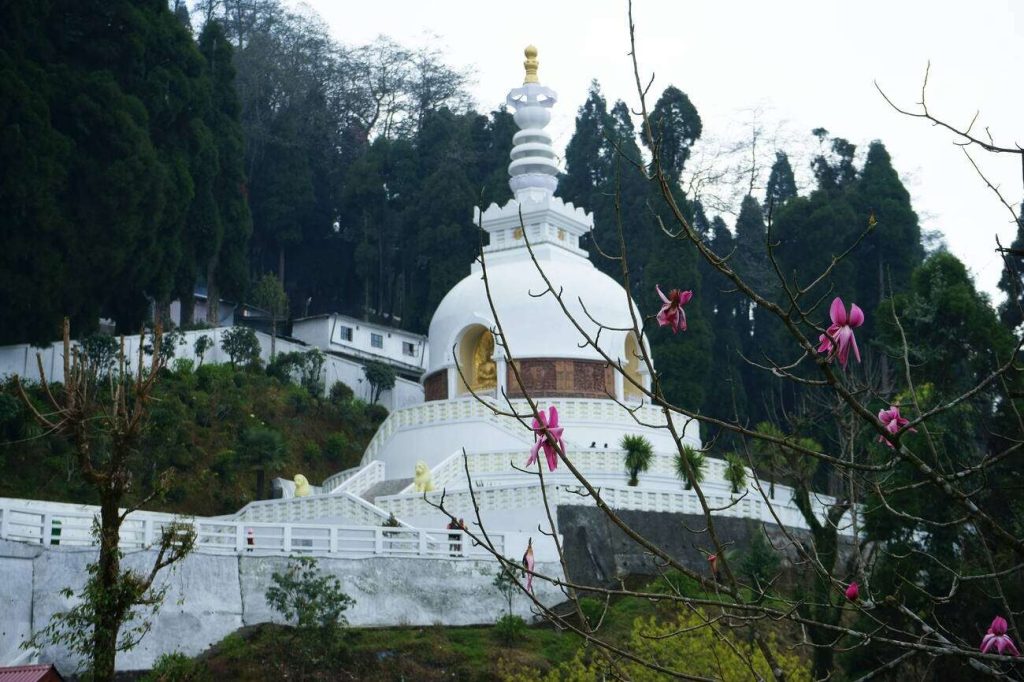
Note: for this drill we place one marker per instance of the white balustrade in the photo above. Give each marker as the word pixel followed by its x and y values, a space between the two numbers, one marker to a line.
pixel 563 489
pixel 337 505
pixel 361 481
pixel 62 527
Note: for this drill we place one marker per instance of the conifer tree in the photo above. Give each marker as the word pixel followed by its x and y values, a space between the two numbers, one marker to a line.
pixel 675 125
pixel 781 185
pixel 1011 283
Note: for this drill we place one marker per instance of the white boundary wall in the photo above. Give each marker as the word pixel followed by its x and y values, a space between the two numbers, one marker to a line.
pixel 211 595
pixel 20 360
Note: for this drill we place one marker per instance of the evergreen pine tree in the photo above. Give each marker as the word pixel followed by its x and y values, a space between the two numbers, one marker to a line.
pixel 781 185
pixel 1011 282
pixel 675 126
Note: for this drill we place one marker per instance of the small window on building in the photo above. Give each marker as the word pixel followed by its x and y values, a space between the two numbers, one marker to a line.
pixel 345 333
pixel 377 340
pixel 408 348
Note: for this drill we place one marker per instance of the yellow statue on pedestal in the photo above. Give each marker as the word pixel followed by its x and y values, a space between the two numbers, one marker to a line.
pixel 423 480
pixel 301 486
pixel 485 375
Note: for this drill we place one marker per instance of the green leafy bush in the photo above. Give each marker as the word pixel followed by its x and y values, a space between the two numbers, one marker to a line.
pixel 341 393
pixel 177 667
pixel 242 347
pixel 510 629
pixel 315 603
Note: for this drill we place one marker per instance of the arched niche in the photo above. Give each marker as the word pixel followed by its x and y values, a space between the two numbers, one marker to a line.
pixel 476 360
pixel 631 366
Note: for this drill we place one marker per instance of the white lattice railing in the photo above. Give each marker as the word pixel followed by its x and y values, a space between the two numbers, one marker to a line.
pixel 578 410
pixel 330 483
pixel 451 471
pixel 62 527
pixel 361 481
pixel 340 505
pixel 563 489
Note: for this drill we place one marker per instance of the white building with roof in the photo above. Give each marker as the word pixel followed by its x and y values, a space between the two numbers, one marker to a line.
pixel 361 340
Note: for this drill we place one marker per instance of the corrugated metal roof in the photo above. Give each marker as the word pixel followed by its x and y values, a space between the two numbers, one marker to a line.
pixel 29 673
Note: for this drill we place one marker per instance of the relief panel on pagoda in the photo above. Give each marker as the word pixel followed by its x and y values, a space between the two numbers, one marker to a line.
pixel 553 377
pixel 435 386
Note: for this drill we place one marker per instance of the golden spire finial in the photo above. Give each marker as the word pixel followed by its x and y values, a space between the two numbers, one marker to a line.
pixel 530 64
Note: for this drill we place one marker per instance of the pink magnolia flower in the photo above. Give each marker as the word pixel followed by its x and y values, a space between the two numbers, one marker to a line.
pixel 528 564
pixel 548 433
pixel 853 591
pixel 893 422
pixel 671 313
pixel 713 562
pixel 838 338
pixel 997 638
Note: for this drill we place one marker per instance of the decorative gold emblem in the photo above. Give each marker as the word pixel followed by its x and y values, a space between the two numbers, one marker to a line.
pixel 517 233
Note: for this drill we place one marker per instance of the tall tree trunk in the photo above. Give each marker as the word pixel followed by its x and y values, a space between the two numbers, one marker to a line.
pixel 886 387
pixel 273 336
pixel 188 308
pixel 162 313
pixel 212 295
pixel 108 616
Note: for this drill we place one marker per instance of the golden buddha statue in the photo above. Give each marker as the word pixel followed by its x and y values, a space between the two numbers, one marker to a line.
pixel 485 374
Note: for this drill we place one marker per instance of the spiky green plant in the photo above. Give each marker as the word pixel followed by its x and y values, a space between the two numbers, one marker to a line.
pixel 697 464
pixel 735 472
pixel 639 453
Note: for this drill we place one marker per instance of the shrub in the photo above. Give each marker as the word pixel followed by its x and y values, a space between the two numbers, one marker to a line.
pixel 203 343
pixel 760 563
pixel 101 351
pixel 341 393
pixel 380 376
pixel 183 366
pixel 376 414
pixel 283 365
pixel 593 610
pixel 335 446
pixel 314 603
pixel 242 347
pixel 686 643
pixel 510 629
pixel 176 667
pixel 311 451
pixel 311 372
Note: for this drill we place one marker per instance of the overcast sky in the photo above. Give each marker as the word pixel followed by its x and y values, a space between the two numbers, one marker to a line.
pixel 799 64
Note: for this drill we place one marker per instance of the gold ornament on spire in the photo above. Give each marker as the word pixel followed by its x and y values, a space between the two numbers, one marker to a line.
pixel 530 65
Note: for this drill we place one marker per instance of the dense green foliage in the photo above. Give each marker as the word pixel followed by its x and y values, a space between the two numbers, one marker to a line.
pixel 128 161
pixel 224 431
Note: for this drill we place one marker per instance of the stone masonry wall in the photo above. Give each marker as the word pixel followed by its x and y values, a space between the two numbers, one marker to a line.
pixel 597 551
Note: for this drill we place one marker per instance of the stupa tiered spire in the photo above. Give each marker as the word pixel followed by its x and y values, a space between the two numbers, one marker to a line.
pixel 534 167
pixel 535 213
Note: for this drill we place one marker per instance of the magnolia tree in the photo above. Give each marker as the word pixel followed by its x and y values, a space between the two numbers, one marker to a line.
pixel 911 566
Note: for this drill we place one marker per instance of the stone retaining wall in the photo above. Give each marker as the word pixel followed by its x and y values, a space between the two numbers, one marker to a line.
pixel 212 595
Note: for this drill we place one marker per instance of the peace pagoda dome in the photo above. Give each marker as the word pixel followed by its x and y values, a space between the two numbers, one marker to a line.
pixel 533 236
pixel 470 388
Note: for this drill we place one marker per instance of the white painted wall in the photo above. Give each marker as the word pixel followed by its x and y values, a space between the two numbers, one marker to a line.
pixel 209 596
pixel 327 332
